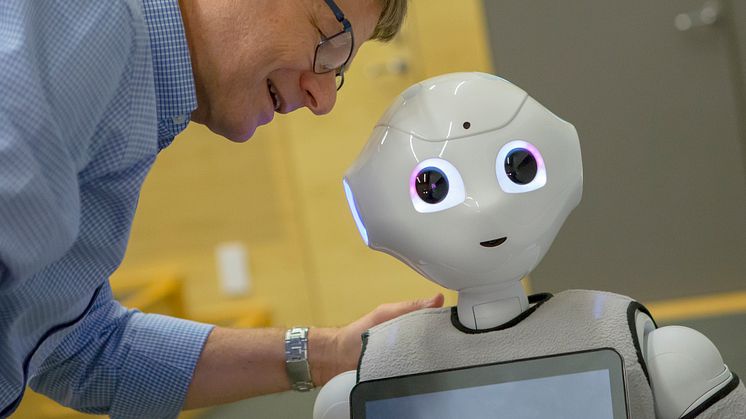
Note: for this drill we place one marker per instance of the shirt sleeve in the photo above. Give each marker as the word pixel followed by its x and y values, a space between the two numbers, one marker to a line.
pixel 123 363
pixel 60 65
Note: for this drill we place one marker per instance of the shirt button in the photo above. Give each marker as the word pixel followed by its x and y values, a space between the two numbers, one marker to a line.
pixel 179 119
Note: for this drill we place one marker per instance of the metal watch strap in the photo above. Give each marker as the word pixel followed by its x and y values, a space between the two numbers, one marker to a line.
pixel 296 358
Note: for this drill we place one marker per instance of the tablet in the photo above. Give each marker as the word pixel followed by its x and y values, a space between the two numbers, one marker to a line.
pixel 578 385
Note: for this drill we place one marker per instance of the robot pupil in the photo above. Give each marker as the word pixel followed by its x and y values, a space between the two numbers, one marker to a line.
pixel 520 166
pixel 431 185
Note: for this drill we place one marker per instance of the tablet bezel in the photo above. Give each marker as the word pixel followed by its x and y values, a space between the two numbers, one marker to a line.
pixel 496 373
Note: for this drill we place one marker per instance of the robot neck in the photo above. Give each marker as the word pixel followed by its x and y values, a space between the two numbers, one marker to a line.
pixel 488 306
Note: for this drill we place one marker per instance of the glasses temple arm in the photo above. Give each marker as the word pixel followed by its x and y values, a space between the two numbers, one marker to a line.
pixel 336 10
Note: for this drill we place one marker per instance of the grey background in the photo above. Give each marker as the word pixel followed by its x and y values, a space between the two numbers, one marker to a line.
pixel 661 122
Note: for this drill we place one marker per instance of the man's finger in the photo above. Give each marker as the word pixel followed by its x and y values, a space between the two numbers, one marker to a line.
pixel 434 302
pixel 390 311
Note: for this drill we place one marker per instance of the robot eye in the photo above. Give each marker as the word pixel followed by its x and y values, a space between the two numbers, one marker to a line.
pixel 520 167
pixel 436 185
pixel 431 185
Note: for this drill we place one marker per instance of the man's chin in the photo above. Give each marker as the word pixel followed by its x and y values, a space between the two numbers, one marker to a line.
pixel 241 137
pixel 238 133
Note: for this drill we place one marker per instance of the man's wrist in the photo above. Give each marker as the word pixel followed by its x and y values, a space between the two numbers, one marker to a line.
pixel 321 354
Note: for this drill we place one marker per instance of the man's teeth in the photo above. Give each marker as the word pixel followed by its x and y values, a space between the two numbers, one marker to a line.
pixel 274 95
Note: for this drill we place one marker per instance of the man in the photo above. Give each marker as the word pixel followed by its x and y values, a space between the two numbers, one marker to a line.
pixel 91 92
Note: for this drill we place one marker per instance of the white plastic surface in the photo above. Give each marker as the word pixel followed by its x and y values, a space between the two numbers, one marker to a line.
pixel 333 401
pixel 429 121
pixel 427 109
pixel 489 306
pixel 685 368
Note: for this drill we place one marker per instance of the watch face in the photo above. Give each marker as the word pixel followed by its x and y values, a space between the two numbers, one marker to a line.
pixel 296 358
pixel 296 345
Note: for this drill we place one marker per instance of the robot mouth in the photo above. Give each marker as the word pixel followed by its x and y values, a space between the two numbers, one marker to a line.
pixel 494 243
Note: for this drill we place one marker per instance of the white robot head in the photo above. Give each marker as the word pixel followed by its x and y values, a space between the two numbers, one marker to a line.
pixel 467 180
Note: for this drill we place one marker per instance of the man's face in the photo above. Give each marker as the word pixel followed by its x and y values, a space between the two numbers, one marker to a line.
pixel 243 50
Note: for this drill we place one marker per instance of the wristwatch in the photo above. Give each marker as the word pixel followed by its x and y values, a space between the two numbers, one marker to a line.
pixel 296 358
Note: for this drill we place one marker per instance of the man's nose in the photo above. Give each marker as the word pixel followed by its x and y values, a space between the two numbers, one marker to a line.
pixel 320 91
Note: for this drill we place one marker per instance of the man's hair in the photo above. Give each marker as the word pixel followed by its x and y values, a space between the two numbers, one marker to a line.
pixel 391 19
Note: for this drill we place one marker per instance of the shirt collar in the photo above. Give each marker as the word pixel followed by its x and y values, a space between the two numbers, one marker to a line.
pixel 175 93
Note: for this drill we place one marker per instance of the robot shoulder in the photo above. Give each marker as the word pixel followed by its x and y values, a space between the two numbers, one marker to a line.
pixel 685 367
pixel 333 401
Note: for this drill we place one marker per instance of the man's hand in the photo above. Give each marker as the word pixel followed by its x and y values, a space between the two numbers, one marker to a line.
pixel 240 363
pixel 334 351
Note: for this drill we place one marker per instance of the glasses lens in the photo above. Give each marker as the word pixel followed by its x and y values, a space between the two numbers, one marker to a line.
pixel 333 52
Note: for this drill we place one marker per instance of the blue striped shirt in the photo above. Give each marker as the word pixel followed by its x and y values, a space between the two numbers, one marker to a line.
pixel 90 92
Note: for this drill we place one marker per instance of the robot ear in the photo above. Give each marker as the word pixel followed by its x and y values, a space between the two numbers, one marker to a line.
pixel 520 168
pixel 355 212
pixel 436 185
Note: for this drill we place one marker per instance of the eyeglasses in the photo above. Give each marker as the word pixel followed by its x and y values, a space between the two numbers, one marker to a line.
pixel 333 53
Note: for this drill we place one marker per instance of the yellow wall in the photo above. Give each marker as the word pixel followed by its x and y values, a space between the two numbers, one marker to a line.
pixel 204 191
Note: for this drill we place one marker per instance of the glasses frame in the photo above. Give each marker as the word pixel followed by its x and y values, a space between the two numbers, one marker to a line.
pixel 347 27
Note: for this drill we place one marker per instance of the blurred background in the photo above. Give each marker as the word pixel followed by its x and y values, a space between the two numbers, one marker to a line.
pixel 259 234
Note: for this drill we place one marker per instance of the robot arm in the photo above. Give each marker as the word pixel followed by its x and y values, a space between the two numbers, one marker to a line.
pixel 333 401
pixel 685 367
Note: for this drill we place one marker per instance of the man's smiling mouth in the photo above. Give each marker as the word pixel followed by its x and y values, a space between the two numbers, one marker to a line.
pixel 274 95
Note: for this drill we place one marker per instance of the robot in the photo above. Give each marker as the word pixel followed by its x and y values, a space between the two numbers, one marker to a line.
pixel 467 180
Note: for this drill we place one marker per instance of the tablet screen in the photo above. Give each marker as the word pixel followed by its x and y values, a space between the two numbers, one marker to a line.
pixel 585 385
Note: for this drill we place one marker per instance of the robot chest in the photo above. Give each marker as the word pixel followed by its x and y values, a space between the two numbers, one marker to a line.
pixel 571 321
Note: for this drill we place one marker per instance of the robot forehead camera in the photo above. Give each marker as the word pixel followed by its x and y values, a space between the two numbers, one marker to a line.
pixel 467 180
